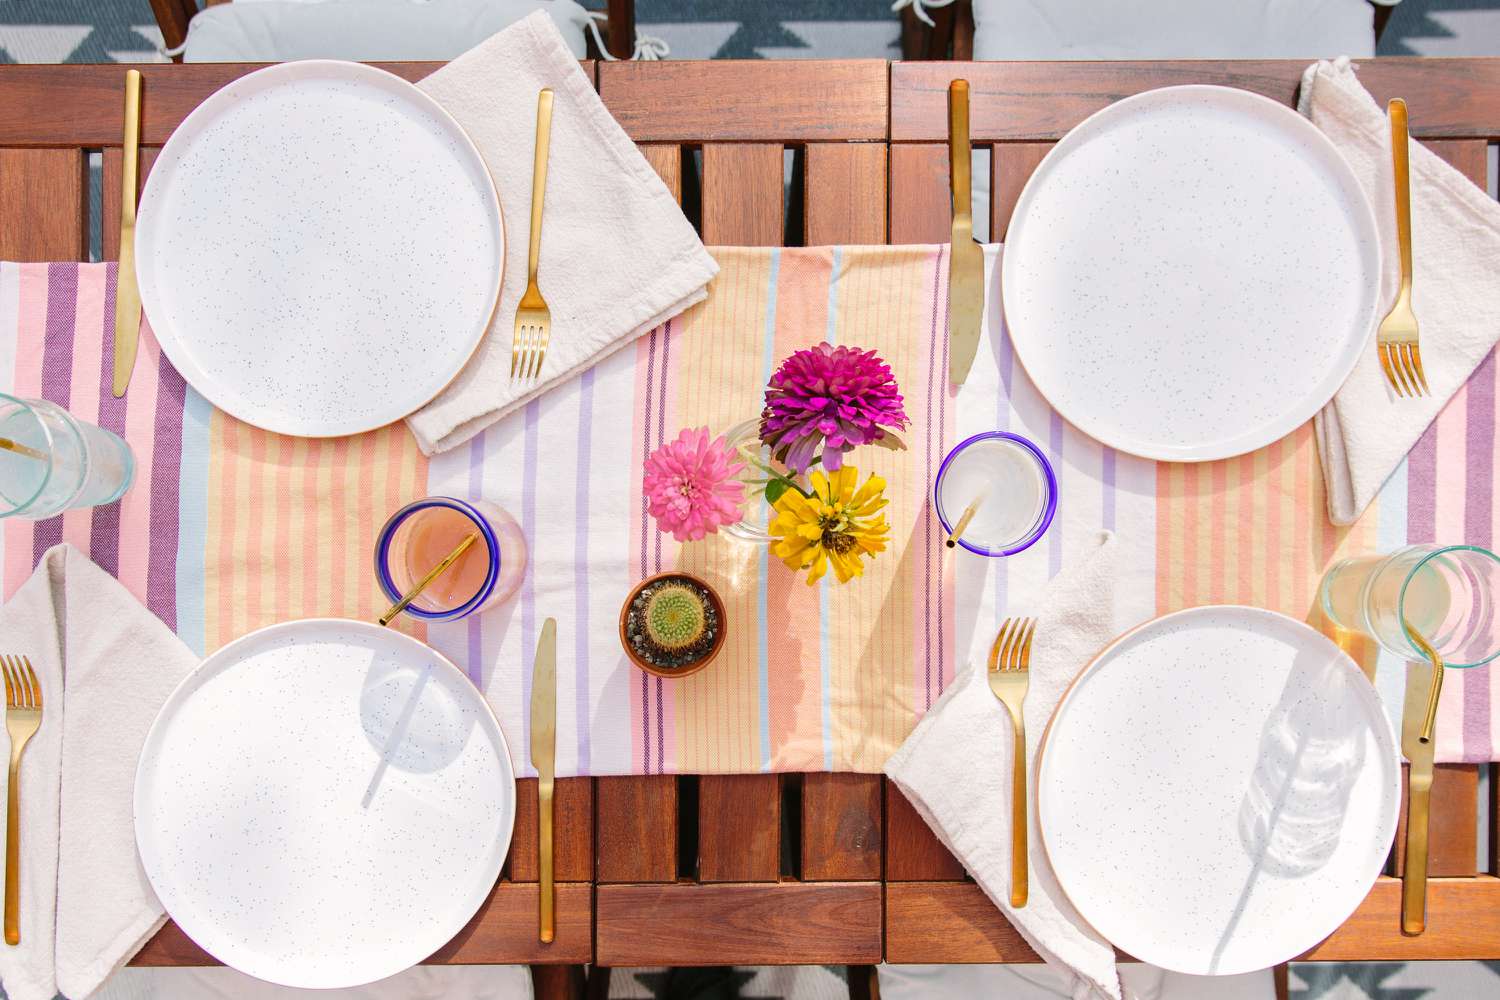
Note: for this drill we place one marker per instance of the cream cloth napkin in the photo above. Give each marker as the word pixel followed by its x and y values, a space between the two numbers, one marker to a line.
pixel 106 664
pixel 618 257
pixel 955 769
pixel 1365 431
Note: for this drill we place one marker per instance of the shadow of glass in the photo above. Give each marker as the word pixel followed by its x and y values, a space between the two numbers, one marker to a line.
pixel 413 719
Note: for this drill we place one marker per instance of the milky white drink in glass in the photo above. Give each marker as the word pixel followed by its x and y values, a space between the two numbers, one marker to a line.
pixel 1015 487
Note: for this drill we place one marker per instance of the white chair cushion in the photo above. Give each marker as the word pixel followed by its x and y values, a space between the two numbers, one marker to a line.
pixel 1172 29
pixel 364 30
pixel 425 982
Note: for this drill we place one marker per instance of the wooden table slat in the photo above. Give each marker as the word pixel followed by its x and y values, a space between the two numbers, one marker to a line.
pixel 748 101
pixel 743 201
pixel 921 200
pixel 955 922
pixel 572 831
pixel 636 828
pixel 845 193
pixel 503 932
pixel 43 204
pixel 84 105
pixel 841 827
pixel 793 923
pixel 1031 101
pixel 109 208
pixel 912 851
pixel 1011 166
pixel 739 827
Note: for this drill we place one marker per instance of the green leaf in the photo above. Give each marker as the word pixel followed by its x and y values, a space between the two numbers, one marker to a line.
pixel 774 490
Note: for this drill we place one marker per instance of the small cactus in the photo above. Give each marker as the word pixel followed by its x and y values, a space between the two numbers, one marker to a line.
pixel 675 617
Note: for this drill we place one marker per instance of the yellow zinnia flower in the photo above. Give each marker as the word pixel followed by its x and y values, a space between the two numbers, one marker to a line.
pixel 836 525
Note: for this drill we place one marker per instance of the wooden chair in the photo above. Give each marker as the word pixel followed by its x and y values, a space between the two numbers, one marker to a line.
pixel 619 33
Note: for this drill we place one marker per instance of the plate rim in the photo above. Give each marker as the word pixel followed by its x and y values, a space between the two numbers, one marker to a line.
pixel 1384 732
pixel 1217 92
pixel 192 125
pixel 228 651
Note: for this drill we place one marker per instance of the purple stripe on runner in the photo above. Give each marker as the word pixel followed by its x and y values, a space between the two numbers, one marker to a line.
pixel 581 566
pixel 475 634
pixel 1421 494
pixel 166 493
pixel 1479 453
pixel 645 529
pixel 104 530
pixel 528 529
pixel 57 373
pixel 932 523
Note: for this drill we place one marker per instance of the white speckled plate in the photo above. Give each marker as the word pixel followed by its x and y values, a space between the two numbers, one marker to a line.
pixel 324 803
pixel 1191 273
pixel 319 248
pixel 1218 790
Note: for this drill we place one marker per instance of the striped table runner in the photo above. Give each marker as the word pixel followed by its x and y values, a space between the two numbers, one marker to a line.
pixel 229 528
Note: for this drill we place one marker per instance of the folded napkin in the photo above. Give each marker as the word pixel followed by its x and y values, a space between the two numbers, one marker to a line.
pixel 968 806
pixel 1365 431
pixel 106 664
pixel 618 257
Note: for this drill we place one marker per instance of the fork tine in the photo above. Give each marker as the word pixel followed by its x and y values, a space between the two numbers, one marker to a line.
pixel 531 339
pixel 1026 644
pixel 546 342
pixel 31 679
pixel 10 691
pixel 1013 646
pixel 998 645
pixel 1409 365
pixel 1416 361
pixel 1385 366
pixel 515 350
pixel 1408 370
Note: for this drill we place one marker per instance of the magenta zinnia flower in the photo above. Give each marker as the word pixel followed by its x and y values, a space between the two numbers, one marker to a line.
pixel 691 486
pixel 840 397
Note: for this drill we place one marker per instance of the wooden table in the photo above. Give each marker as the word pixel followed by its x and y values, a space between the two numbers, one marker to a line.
pixel 770 869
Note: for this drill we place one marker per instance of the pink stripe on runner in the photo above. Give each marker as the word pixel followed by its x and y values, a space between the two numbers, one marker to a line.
pixel 31 316
pixel 104 539
pixel 139 506
pixel 1478 743
pixel 84 390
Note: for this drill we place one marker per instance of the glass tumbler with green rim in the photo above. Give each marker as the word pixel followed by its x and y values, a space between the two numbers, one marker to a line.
pixel 1444 592
pixel 50 461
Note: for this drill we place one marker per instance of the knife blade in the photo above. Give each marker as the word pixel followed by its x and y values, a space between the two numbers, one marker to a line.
pixel 966 261
pixel 1420 679
pixel 543 758
pixel 127 292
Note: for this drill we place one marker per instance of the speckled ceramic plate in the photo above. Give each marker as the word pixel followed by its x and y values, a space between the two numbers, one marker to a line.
pixel 324 803
pixel 319 248
pixel 1218 790
pixel 1191 273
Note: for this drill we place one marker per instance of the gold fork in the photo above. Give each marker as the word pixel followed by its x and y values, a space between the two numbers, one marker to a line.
pixel 1400 355
pixel 23 716
pixel 528 345
pixel 1010 663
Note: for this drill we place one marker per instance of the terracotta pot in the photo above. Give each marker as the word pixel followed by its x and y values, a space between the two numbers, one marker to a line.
pixel 713 650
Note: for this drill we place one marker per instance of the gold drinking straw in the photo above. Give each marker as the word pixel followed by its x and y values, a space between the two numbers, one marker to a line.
pixel 411 595
pixel 7 444
pixel 1437 679
pixel 963 522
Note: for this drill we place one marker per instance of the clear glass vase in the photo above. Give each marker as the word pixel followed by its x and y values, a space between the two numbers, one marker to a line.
pixel 752 526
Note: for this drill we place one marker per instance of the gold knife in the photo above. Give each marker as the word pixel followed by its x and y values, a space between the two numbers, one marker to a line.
pixel 966 266
pixel 127 293
pixel 1422 687
pixel 543 754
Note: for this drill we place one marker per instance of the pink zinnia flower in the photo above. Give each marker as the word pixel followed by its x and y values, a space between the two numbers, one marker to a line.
pixel 691 485
pixel 840 397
